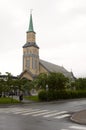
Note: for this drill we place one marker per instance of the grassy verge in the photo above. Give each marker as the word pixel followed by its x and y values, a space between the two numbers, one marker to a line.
pixel 33 98
pixel 8 100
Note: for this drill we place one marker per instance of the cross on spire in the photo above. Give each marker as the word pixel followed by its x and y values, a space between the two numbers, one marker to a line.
pixel 31 11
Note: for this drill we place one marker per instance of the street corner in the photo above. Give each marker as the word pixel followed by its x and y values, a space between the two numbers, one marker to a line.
pixel 79 117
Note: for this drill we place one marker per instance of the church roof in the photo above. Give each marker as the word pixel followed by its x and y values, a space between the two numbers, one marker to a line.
pixel 50 67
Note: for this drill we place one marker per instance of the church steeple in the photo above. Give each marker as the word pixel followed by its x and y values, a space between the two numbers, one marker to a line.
pixel 31 29
pixel 31 51
pixel 31 38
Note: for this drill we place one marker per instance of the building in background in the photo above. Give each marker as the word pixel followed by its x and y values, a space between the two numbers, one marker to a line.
pixel 32 64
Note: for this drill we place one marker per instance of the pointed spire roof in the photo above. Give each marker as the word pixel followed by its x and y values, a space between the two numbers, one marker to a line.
pixel 31 29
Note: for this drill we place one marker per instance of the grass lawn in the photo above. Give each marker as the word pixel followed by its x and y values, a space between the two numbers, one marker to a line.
pixel 7 100
pixel 33 98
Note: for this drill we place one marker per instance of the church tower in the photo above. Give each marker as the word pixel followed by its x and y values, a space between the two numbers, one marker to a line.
pixel 31 51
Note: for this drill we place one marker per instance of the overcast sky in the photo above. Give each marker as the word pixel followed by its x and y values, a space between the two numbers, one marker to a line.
pixel 60 27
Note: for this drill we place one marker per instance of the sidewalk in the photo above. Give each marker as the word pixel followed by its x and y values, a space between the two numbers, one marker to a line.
pixel 24 100
pixel 79 117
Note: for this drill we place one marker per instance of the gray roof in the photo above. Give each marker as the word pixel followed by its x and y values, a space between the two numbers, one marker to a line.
pixel 29 44
pixel 50 67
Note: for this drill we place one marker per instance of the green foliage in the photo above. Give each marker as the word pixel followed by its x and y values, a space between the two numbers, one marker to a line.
pixel 80 84
pixel 57 95
pixel 10 85
pixel 33 98
pixel 57 81
pixel 25 84
pixel 8 100
pixel 5 85
pixel 41 81
pixel 42 95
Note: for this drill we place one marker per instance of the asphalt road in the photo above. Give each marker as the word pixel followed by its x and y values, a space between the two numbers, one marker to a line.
pixel 41 116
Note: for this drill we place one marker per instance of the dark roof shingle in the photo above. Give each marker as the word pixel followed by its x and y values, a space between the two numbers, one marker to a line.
pixel 56 68
pixel 29 44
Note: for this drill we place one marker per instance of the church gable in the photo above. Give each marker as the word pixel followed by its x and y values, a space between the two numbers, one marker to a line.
pixel 26 75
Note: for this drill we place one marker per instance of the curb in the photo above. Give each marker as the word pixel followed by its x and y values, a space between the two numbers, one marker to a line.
pixel 78 117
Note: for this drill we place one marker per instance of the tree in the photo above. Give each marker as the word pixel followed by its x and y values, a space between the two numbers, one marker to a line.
pixel 57 81
pixel 41 81
pixel 27 85
pixel 80 84
pixel 9 82
pixel 1 86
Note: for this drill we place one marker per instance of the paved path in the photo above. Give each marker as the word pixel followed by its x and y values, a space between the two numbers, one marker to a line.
pixel 24 100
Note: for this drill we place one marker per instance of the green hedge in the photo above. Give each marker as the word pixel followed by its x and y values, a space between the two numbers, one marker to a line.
pixel 56 95
pixel 42 95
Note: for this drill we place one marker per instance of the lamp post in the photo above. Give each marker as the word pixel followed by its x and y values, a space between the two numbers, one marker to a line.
pixel 47 90
pixel 12 91
pixel 46 87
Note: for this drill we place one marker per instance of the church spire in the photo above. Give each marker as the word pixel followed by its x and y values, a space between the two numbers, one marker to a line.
pixel 31 35
pixel 31 29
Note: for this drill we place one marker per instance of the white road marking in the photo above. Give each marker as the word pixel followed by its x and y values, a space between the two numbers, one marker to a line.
pixel 16 110
pixel 26 111
pixel 78 127
pixel 44 113
pixel 8 110
pixel 62 116
pixel 64 129
pixel 55 114
pixel 34 112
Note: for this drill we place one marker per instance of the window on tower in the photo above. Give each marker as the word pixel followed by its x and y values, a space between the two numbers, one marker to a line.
pixel 28 63
pixel 33 63
pixel 24 52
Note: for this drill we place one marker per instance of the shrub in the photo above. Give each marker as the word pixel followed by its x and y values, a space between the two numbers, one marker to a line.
pixel 42 95
pixel 56 95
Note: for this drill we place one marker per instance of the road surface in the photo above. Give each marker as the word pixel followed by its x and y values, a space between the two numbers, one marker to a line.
pixel 41 116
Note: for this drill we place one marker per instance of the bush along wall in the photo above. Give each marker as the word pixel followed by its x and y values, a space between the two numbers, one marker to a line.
pixel 57 95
